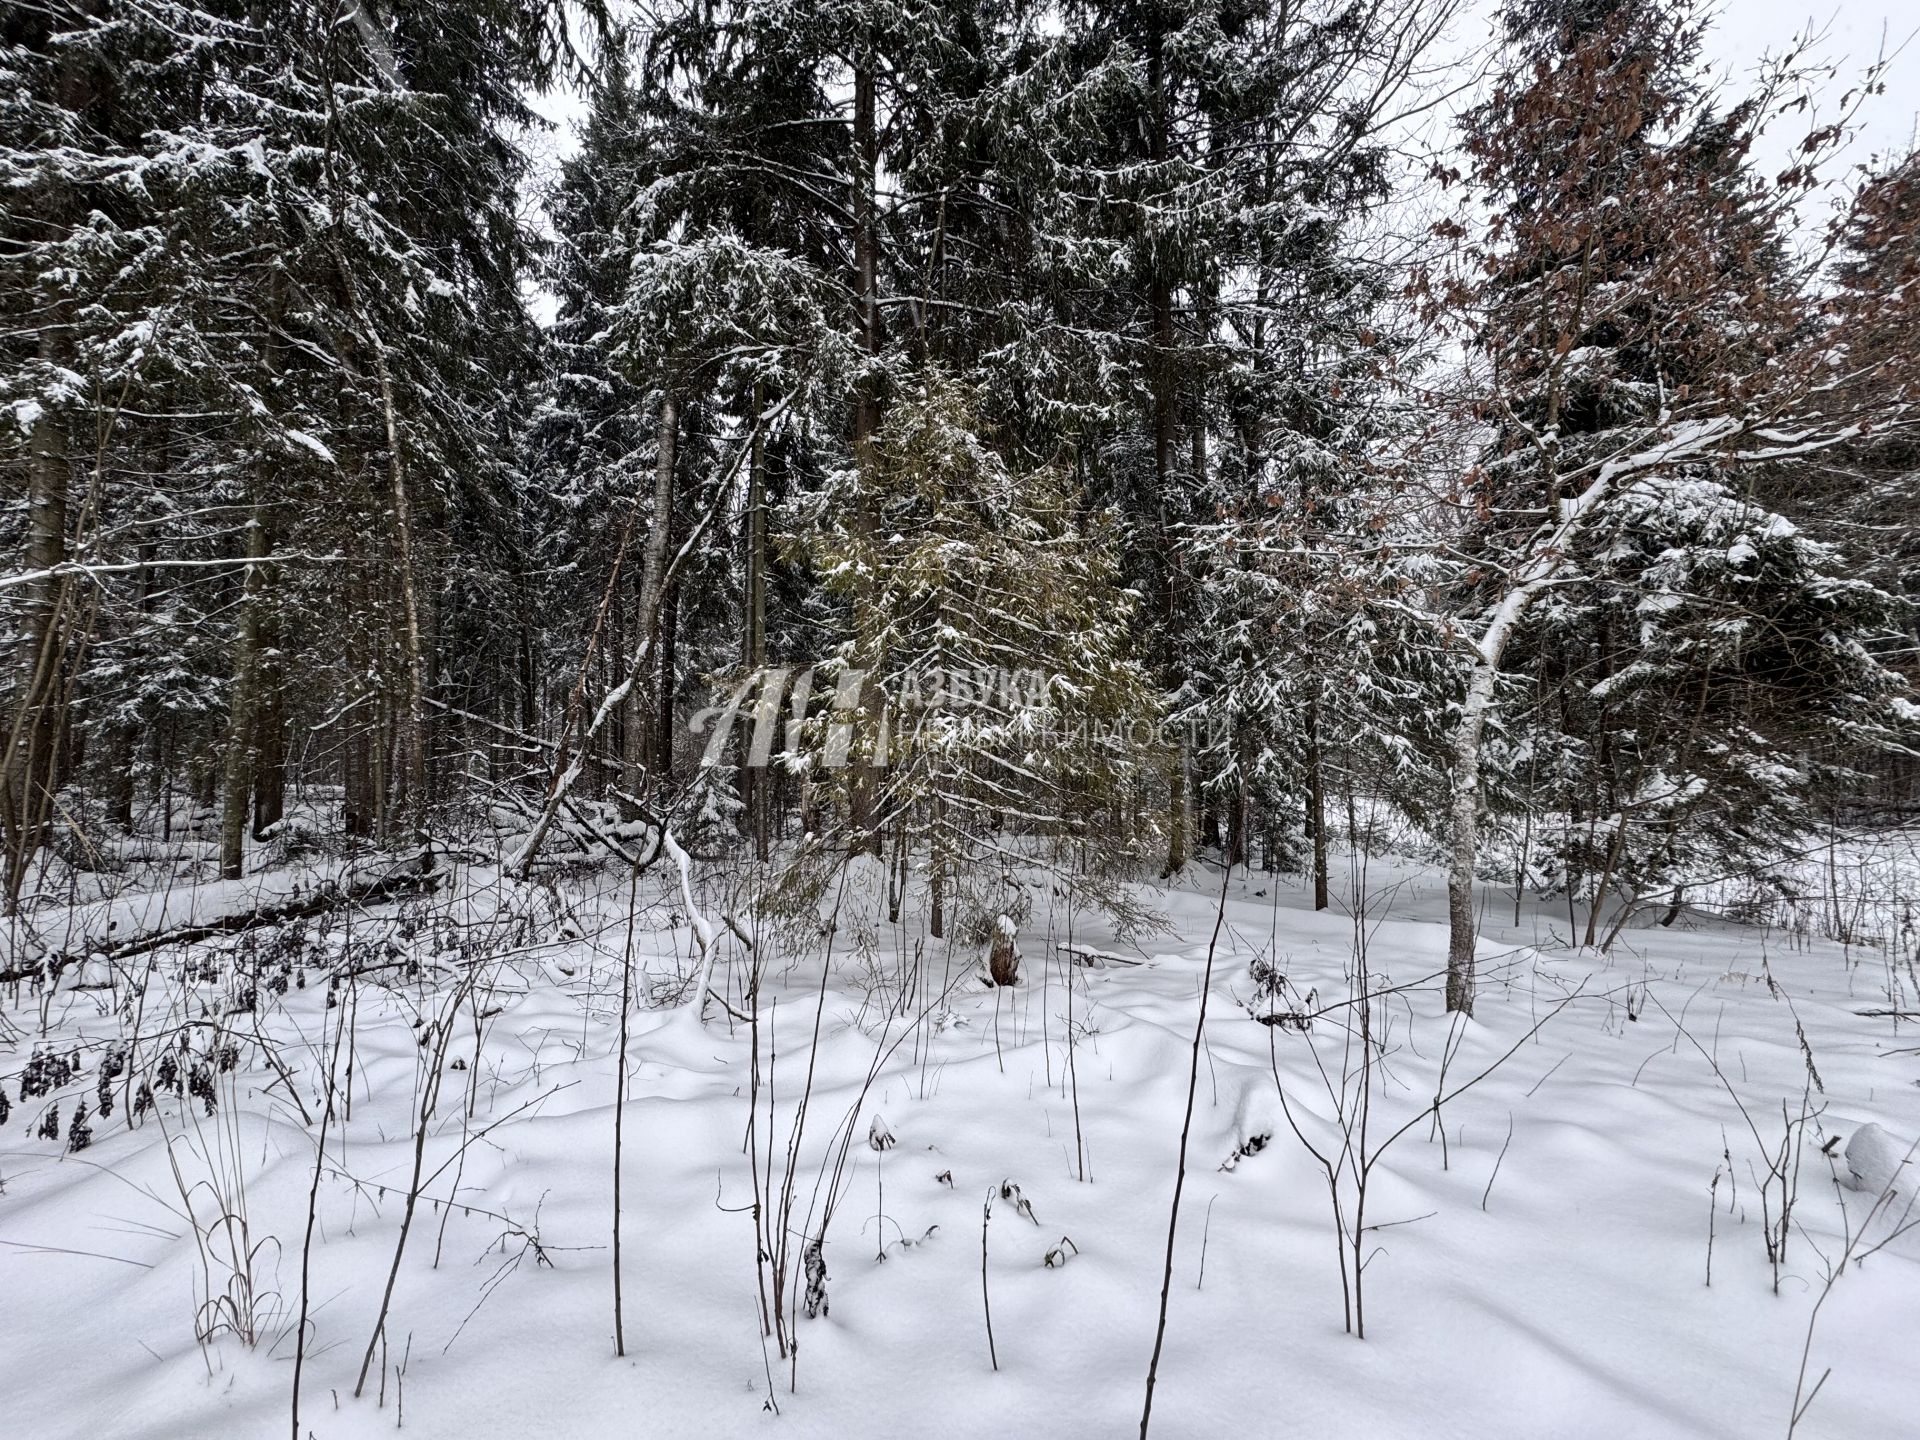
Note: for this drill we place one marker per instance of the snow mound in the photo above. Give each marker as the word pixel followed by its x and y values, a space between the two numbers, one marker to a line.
pixel 1876 1160
pixel 1256 1118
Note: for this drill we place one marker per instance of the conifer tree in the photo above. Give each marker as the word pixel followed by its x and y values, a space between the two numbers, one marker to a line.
pixel 1637 333
pixel 1001 645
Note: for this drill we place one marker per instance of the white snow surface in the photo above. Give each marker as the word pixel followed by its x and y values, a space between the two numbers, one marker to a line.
pixel 1558 1289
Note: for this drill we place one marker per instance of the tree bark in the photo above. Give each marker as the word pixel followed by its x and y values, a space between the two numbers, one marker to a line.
pixel 1316 805
pixel 1178 817
pixel 862 779
pixel 359 781
pixel 653 569
pixel 1165 400
pixel 752 783
pixel 1464 823
pixel 243 706
pixel 31 763
pixel 661 744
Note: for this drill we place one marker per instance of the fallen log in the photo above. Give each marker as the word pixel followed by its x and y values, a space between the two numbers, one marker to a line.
pixel 1092 958
pixel 322 898
pixel 318 901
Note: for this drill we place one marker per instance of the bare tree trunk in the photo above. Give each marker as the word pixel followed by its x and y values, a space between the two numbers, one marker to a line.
pixel 1616 846
pixel 268 719
pixel 529 674
pixel 119 778
pixel 46 538
pixel 359 754
pixel 1165 405
pixel 1316 806
pixel 1178 821
pixel 31 762
pixel 1539 567
pixel 403 793
pixel 661 747
pixel 124 739
pixel 269 756
pixel 243 705
pixel 862 778
pixel 411 761
pixel 754 791
pixel 1464 823
pixel 653 571
pixel 937 874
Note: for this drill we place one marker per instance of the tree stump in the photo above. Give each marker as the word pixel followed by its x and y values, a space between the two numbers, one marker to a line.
pixel 1003 961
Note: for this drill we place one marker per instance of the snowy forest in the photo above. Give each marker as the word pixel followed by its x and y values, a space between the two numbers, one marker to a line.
pixel 970 717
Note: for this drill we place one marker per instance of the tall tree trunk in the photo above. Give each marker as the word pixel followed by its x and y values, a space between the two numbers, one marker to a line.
pixel 268 720
pixel 529 672
pixel 31 762
pixel 243 705
pixel 753 786
pixel 411 723
pixel 1165 402
pixel 661 746
pixel 1616 846
pixel 936 876
pixel 269 755
pixel 1179 819
pixel 862 779
pixel 1464 824
pixel 359 765
pixel 1316 805
pixel 653 569
pixel 269 710
pixel 122 738
pixel 124 742
pixel 405 801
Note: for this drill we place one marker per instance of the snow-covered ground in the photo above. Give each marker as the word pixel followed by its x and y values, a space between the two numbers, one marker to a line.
pixel 1536 1263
